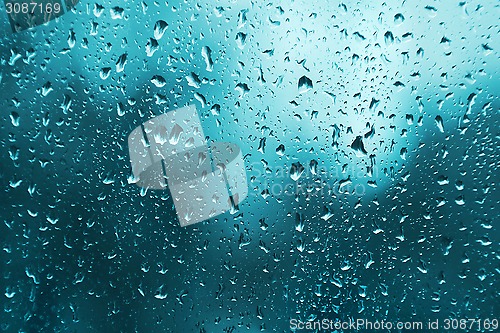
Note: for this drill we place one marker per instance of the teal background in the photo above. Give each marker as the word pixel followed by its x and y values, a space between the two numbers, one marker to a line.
pixel 86 251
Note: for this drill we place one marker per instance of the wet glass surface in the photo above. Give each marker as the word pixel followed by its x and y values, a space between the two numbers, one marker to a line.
pixel 369 133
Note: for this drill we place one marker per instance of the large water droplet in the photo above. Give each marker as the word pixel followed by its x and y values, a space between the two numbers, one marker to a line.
pixel 158 81
pixel 151 47
pixel 47 88
pixel 159 29
pixel 117 12
pixel 121 62
pixel 398 18
pixel 296 171
pixel 193 80
pixel 241 39
pixel 358 147
pixel 104 72
pixel 305 84
pixel 175 134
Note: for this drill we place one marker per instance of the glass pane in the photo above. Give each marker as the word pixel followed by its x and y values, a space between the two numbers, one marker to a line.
pixel 244 166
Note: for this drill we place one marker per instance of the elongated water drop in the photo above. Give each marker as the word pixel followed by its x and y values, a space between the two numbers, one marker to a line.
pixel 206 53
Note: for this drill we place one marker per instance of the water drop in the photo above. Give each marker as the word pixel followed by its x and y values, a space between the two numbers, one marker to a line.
pixel 71 39
pixel 159 29
pixel 398 18
pixel 14 118
pixel 296 171
pixel 439 123
pixel 206 53
pixel 443 180
pixel 313 166
pixel 280 150
pixel 158 81
pixel 46 88
pixel 121 62
pixel 104 72
pixel 98 10
pixel 262 145
pixel 327 214
pixel 305 84
pixel 151 47
pixel 242 88
pixel 193 80
pixel 175 134
pixel 14 56
pixel 241 39
pixel 299 222
pixel 161 293
pixel 388 38
pixel 117 13
pixel 215 110
pixel 358 147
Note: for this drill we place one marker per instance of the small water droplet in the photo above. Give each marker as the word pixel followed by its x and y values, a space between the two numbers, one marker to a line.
pixel 388 38
pixel 262 145
pixel 327 214
pixel 14 118
pixel 242 88
pixel 98 10
pixel 161 293
pixel 313 166
pixel 215 110
pixel 280 150
pixel 460 200
pixel 120 108
pixel 299 222
pixel 443 180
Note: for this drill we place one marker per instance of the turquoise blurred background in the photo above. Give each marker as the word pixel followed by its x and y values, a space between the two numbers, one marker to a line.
pixel 398 228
